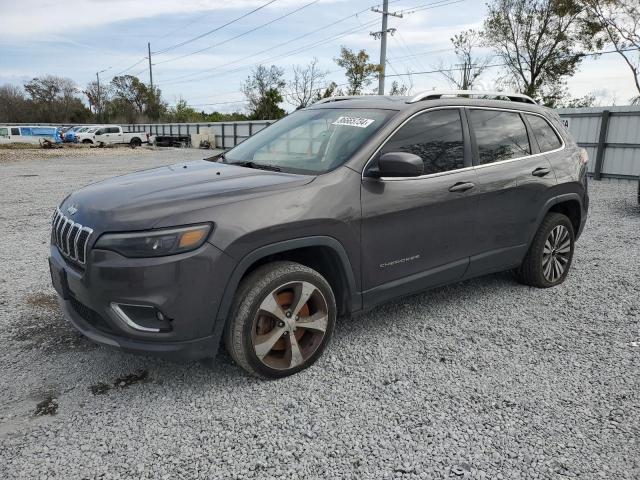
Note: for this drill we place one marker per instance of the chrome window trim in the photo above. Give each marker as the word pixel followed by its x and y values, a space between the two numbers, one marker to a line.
pixel 448 172
pixel 533 155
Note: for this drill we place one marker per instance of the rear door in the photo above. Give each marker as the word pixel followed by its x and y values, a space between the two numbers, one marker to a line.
pixel 417 232
pixel 514 179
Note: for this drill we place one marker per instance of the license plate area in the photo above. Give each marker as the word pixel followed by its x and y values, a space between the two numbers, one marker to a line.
pixel 59 280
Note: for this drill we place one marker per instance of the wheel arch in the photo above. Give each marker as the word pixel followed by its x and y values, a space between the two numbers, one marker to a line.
pixel 569 204
pixel 324 254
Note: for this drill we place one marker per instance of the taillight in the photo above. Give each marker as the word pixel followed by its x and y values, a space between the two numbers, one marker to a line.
pixel 584 156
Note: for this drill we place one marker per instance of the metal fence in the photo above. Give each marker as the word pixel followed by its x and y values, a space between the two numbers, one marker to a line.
pixel 228 134
pixel 611 136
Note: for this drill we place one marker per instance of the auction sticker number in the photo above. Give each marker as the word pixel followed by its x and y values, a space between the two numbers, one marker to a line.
pixel 353 122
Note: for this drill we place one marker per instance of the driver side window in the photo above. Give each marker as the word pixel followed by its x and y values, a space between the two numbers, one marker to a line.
pixel 434 136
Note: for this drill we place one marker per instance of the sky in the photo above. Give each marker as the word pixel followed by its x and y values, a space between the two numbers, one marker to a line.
pixel 77 38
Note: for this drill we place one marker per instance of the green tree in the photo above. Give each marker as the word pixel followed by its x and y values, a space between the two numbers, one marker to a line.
pixel 264 91
pixel 55 99
pixel 132 100
pixel 397 89
pixel 359 72
pixel 538 41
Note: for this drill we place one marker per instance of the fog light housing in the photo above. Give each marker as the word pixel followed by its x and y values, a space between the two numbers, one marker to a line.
pixel 143 318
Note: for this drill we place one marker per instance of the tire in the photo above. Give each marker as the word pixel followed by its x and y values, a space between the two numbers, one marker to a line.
pixel 549 258
pixel 263 343
pixel 135 142
pixel 86 141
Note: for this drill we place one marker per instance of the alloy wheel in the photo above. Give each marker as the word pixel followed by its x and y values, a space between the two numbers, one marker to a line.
pixel 556 253
pixel 290 325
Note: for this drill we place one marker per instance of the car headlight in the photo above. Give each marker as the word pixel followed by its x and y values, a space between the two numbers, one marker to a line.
pixel 155 243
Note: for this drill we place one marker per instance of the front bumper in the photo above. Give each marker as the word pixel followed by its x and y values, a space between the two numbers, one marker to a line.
pixel 187 289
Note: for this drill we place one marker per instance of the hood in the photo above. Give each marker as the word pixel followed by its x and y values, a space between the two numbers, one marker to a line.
pixel 138 201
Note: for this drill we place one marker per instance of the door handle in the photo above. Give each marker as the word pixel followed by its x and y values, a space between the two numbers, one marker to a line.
pixel 540 172
pixel 461 187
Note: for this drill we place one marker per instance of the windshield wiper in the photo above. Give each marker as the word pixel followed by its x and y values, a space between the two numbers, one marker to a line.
pixel 258 166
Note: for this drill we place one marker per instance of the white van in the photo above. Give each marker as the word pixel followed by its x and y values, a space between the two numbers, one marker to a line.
pixel 29 134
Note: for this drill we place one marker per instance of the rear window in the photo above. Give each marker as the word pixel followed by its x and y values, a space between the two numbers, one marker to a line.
pixel 499 135
pixel 15 131
pixel 544 133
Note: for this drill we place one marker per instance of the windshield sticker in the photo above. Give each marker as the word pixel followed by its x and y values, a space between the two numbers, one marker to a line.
pixel 353 122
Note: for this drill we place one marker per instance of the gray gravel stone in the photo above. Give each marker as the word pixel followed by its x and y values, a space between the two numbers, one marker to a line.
pixel 485 379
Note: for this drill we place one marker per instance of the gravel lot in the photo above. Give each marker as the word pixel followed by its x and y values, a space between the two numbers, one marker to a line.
pixel 485 379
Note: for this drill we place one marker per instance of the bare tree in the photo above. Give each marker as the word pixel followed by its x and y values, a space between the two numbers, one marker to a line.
pixel 539 43
pixel 13 104
pixel 616 23
pixel 469 66
pixel 307 80
pixel 97 97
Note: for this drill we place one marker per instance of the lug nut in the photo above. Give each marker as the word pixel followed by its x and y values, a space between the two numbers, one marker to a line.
pixel 285 333
pixel 288 314
pixel 281 324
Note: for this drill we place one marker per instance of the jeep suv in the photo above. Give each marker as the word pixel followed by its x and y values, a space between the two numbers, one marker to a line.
pixel 328 212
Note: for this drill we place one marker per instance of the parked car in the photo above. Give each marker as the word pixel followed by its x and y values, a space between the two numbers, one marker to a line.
pixel 114 134
pixel 85 134
pixel 29 134
pixel 70 134
pixel 329 212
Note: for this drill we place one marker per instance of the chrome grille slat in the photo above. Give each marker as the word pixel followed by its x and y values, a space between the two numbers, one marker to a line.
pixel 71 238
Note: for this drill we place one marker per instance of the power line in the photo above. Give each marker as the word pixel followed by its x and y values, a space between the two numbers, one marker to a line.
pixel 198 37
pixel 241 34
pixel 281 56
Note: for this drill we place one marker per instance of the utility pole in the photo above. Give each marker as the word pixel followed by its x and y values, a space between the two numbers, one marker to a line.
pixel 383 40
pixel 150 69
pixel 99 99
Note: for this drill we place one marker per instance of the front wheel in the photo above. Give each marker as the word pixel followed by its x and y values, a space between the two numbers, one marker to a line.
pixel 283 317
pixel 549 257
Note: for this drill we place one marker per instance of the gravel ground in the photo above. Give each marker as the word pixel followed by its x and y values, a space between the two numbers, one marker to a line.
pixel 484 379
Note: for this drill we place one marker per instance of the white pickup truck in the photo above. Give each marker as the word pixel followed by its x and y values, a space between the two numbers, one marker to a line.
pixel 113 134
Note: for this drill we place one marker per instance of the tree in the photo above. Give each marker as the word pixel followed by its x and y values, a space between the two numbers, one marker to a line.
pixel 397 89
pixel 97 97
pixel 13 104
pixel 182 112
pixel 469 66
pixel 263 89
pixel 328 92
pixel 54 99
pixel 306 82
pixel 538 41
pixel 588 100
pixel 616 23
pixel 358 70
pixel 132 100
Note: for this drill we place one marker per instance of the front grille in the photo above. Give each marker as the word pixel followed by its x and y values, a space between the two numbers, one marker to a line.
pixel 71 238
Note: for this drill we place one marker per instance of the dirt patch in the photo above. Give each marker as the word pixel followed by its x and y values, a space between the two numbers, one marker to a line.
pixel 42 326
pixel 125 381
pixel 46 301
pixel 48 406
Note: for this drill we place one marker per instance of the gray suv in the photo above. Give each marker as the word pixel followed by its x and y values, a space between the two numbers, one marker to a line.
pixel 331 211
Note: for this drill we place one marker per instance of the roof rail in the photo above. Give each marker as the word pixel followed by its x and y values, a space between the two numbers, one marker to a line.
pixel 436 94
pixel 339 98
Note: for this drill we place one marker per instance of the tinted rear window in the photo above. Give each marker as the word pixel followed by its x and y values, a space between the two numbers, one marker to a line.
pixel 544 133
pixel 499 135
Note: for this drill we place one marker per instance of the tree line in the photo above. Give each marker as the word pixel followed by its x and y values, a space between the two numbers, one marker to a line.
pixel 537 45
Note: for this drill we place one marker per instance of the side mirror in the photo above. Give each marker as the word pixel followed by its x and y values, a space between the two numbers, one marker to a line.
pixel 400 164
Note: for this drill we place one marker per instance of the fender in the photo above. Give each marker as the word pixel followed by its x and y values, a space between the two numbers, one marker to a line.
pixel 550 203
pixel 279 247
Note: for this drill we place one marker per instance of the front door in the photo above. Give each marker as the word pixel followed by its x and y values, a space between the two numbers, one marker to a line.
pixel 417 232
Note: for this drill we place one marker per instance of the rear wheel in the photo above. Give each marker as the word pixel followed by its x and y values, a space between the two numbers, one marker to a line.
pixel 283 317
pixel 549 257
pixel 135 142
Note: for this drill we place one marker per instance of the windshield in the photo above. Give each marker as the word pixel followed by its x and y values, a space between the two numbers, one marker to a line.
pixel 310 141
